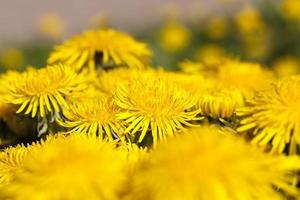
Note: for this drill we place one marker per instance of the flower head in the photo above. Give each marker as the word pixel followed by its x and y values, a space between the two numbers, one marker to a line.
pixel 249 20
pixel 286 66
pixel 95 117
pixel 174 36
pixel 291 9
pixel 272 116
pixel 221 103
pixel 11 58
pixel 206 164
pixel 108 81
pixel 11 162
pixel 105 47
pixel 51 25
pixel 73 167
pixel 12 158
pixel 190 67
pixel 247 77
pixel 211 56
pixel 157 105
pixel 42 91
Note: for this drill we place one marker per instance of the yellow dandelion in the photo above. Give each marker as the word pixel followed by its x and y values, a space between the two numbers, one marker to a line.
pixel 7 79
pixel 156 105
pixel 174 36
pixel 249 20
pixel 272 116
pixel 195 84
pixel 291 9
pixel 221 103
pixel 43 91
pixel 108 81
pixel 206 164
pixel 11 162
pixel 12 158
pixel 286 66
pixel 133 155
pixel 211 56
pixel 105 48
pixel 73 167
pixel 95 117
pixel 245 76
pixel 51 25
pixel 11 58
pixel 191 67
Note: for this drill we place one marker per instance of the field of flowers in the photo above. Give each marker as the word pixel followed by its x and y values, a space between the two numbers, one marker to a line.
pixel 204 110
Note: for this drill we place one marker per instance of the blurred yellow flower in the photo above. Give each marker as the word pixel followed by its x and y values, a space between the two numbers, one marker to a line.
pixel 211 55
pixel 51 25
pixel 133 155
pixel 155 105
pixel 207 163
pixel 272 116
pixel 245 76
pixel 104 48
pixel 174 36
pixel 11 162
pixel 94 117
pixel 11 58
pixel 249 20
pixel 73 167
pixel 286 66
pixel 108 81
pixel 217 27
pixel 254 32
pixel 43 91
pixel 191 67
pixel 291 9
pixel 194 84
pixel 12 159
pixel 221 103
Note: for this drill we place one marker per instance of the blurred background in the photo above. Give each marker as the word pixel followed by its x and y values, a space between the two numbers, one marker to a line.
pixel 264 31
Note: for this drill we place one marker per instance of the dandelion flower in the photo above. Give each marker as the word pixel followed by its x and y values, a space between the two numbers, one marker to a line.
pixel 12 158
pixel 291 9
pixel 105 47
pixel 11 162
pixel 249 20
pixel 73 167
pixel 42 91
pixel 190 67
pixel 286 66
pixel 221 103
pixel 211 56
pixel 11 58
pixel 272 116
pixel 95 117
pixel 174 36
pixel 108 81
pixel 156 105
pixel 51 25
pixel 247 77
pixel 205 164
pixel 133 155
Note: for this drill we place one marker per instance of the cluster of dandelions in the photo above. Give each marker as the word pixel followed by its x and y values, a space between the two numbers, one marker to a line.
pixel 98 122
